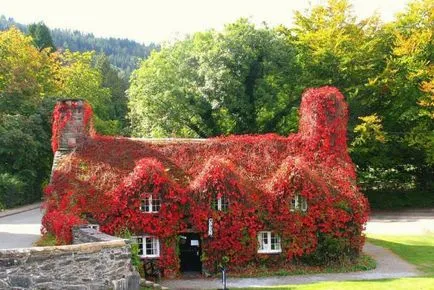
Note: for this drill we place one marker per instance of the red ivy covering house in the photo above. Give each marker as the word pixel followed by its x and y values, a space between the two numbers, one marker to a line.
pixel 193 204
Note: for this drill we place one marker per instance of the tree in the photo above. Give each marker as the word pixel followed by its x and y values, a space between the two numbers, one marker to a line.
pixel 41 36
pixel 242 80
pixel 26 74
pixel 26 158
pixel 334 48
pixel 30 82
pixel 77 78
pixel 408 79
pixel 111 79
pixel 381 69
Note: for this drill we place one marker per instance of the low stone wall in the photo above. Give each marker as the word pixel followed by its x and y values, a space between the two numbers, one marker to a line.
pixel 90 234
pixel 99 265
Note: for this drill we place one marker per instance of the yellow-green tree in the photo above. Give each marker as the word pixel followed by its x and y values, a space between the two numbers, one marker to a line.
pixel 30 81
pixel 27 75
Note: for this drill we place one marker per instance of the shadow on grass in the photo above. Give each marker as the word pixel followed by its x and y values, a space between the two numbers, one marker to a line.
pixel 415 250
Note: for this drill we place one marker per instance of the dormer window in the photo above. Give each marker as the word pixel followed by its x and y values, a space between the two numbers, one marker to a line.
pixel 220 203
pixel 298 203
pixel 150 204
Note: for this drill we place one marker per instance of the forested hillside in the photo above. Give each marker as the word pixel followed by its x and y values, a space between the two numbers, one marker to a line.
pixel 122 53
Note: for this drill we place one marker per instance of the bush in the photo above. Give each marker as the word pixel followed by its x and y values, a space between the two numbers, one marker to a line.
pixel 400 199
pixel 11 191
pixel 330 251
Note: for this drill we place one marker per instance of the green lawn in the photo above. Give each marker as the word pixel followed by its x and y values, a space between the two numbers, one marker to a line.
pixel 418 250
pixel 424 283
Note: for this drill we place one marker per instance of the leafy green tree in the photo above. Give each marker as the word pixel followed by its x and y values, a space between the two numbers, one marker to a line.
pixel 26 75
pixel 112 80
pixel 30 82
pixel 77 78
pixel 242 80
pixel 381 69
pixel 26 158
pixel 41 36
pixel 407 80
pixel 334 48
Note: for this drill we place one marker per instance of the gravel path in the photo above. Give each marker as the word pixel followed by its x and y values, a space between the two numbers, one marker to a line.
pixel 405 222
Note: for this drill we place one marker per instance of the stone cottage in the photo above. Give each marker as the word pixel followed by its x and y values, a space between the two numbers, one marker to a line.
pixel 195 204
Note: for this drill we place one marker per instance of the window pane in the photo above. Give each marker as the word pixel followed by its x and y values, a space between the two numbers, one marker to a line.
pixel 214 202
pixel 156 204
pixel 145 204
pixel 275 242
pixel 294 203
pixel 149 248
pixel 155 246
pixel 224 203
pixel 303 204
pixel 139 242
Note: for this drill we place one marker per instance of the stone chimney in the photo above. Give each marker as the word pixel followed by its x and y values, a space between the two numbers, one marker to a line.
pixel 323 119
pixel 71 124
pixel 70 127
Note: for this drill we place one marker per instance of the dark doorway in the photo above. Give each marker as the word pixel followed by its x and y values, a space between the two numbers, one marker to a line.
pixel 190 251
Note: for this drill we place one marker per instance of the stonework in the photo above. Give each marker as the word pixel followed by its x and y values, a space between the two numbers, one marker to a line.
pixel 102 264
pixel 74 131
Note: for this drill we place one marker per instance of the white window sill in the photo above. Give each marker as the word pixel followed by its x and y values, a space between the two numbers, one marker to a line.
pixel 270 252
pixel 150 256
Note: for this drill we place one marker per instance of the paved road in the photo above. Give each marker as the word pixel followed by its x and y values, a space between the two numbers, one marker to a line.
pixel 404 222
pixel 20 230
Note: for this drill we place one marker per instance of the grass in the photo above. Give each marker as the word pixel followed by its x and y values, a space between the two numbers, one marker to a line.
pixel 46 240
pixel 422 283
pixel 418 250
pixel 363 263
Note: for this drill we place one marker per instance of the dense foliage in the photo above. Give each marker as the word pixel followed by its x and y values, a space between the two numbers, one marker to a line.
pixel 30 77
pixel 242 80
pixel 105 180
pixel 246 79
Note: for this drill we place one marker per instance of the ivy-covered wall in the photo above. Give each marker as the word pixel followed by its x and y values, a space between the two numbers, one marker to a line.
pixel 105 178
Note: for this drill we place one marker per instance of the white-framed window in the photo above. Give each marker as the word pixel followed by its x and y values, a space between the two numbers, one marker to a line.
pixel 150 204
pixel 269 243
pixel 220 203
pixel 149 246
pixel 298 203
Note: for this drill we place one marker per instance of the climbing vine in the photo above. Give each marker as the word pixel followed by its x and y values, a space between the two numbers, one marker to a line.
pixel 62 113
pixel 259 175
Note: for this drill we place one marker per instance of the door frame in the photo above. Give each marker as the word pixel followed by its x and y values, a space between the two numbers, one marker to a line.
pixel 190 235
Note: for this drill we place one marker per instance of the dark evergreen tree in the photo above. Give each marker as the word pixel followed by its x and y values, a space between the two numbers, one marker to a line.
pixel 41 36
pixel 113 80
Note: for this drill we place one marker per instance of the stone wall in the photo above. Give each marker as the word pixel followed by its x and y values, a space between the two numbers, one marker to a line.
pixel 99 265
pixel 90 234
